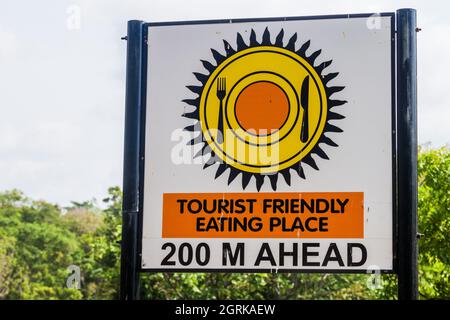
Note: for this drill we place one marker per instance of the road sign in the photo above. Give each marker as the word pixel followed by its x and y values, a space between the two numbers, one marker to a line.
pixel 268 145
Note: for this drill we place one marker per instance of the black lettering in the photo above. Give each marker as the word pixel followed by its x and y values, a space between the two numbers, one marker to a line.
pixel 200 225
pixel 228 253
pixel 223 206
pixel 323 223
pixel 240 208
pixel 278 206
pixel 265 254
pixel 295 204
pixel 337 256
pixel 181 202
pixel 213 208
pixel 306 253
pixel 325 203
pixel 350 255
pixel 267 203
pixel 274 222
pixel 342 204
pixel 191 207
pixel 293 254
pixel 251 202
pixel 212 225
pixel 309 206
pixel 308 224
pixel 198 254
pixel 333 207
pixel 242 224
pixel 172 248
pixel 297 224
pixel 185 260
pixel 255 224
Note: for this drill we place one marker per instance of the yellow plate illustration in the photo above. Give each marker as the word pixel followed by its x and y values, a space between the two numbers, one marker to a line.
pixel 264 108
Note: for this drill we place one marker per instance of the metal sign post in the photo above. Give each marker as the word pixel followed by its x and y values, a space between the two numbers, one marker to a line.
pixel 407 154
pixel 131 207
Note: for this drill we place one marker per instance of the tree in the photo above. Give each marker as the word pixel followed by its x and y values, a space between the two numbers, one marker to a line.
pixel 7 262
pixel 100 264
pixel 39 241
pixel 38 248
pixel 434 223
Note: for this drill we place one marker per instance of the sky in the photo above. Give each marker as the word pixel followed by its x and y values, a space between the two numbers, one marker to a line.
pixel 62 80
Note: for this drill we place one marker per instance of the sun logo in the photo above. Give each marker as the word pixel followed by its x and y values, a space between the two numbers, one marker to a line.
pixel 263 109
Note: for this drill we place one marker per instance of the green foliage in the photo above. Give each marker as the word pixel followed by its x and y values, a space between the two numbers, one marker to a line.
pixel 7 262
pixel 253 286
pixel 434 223
pixel 39 241
pixel 101 260
pixel 38 248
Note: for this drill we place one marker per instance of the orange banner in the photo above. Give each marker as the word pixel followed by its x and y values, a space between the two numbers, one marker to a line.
pixel 263 215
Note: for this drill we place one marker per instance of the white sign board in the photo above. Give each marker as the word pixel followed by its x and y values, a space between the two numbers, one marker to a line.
pixel 268 145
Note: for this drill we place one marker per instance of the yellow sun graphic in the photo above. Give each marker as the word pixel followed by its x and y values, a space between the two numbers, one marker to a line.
pixel 263 109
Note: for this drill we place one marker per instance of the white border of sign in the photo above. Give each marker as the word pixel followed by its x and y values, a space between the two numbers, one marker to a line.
pixel 392 16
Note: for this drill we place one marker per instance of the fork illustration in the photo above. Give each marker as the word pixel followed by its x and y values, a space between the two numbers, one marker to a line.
pixel 221 93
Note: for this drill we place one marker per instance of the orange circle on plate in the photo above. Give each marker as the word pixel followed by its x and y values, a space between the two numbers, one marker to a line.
pixel 262 107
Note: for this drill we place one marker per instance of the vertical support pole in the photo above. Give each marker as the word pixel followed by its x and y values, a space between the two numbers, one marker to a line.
pixel 407 154
pixel 129 275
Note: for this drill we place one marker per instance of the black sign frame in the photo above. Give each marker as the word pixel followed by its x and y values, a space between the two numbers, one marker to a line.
pixel 404 151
